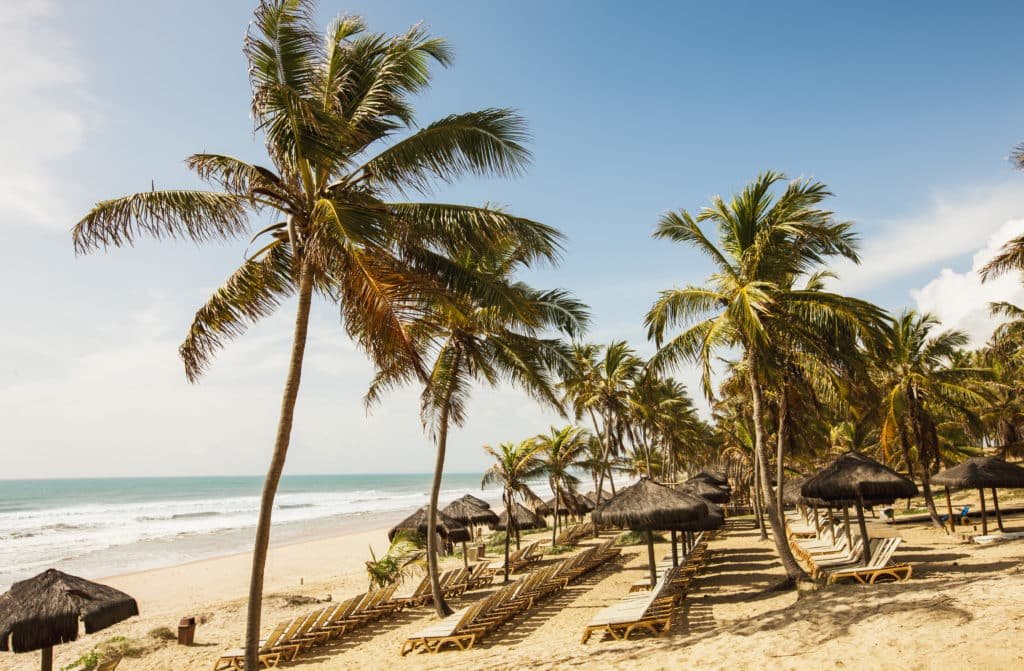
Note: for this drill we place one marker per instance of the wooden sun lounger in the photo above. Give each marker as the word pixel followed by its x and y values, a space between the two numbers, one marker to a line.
pixel 650 612
pixel 434 637
pixel 270 652
pixel 880 566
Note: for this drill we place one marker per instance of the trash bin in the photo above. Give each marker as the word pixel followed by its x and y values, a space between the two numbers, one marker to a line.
pixel 186 631
pixel 480 550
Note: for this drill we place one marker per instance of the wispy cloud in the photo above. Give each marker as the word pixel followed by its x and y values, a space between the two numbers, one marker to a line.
pixel 955 224
pixel 43 113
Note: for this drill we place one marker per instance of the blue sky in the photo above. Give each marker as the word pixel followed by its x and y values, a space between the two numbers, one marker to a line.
pixel 906 110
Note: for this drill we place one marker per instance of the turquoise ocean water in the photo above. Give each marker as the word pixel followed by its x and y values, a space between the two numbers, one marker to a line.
pixel 102 527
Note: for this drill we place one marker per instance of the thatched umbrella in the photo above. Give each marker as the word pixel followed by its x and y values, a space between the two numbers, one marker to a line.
pixel 449 529
pixel 523 518
pixel 465 512
pixel 536 503
pixel 979 473
pixel 41 612
pixel 714 478
pixel 856 477
pixel 706 490
pixel 476 501
pixel 647 506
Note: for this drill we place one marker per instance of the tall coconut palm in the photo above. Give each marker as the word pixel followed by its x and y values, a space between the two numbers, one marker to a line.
pixel 562 451
pixel 515 465
pixel 486 340
pixel 919 382
pixel 333 112
pixel 766 241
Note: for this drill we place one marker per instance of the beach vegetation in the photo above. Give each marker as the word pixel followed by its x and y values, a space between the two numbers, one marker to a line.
pixel 405 555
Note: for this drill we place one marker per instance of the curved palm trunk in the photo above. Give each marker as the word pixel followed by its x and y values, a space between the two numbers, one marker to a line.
pixel 599 483
pixel 793 570
pixel 755 495
pixel 270 483
pixel 440 605
pixel 509 525
pixel 780 448
pixel 554 522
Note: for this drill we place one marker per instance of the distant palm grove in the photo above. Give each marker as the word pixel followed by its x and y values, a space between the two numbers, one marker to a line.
pixel 434 294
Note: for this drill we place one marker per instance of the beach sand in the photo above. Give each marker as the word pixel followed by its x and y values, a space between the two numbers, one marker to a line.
pixel 964 606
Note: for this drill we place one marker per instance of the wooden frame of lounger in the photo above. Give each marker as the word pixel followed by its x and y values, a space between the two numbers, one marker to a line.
pixel 880 566
pixel 656 620
pixel 270 651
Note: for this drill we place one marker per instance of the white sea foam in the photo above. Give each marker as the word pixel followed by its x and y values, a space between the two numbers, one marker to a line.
pixel 128 536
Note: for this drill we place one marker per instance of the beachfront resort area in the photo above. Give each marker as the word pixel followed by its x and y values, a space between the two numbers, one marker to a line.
pixel 398 335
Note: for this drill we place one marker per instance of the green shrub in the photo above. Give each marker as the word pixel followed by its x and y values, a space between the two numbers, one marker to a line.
pixel 637 538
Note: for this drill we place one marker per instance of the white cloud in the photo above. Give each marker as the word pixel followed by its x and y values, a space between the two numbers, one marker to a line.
pixel 960 300
pixel 43 113
pixel 954 224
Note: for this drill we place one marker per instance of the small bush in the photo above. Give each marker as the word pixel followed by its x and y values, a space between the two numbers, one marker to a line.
pixel 162 634
pixel 112 648
pixel 558 549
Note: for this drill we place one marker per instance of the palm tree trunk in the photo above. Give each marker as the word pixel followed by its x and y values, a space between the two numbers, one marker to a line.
pixel 999 513
pixel 755 501
pixel 793 570
pixel 781 447
pixel 509 525
pixel 270 483
pixel 554 522
pixel 440 605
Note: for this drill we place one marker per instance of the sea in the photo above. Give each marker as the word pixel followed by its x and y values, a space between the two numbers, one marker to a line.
pixel 109 526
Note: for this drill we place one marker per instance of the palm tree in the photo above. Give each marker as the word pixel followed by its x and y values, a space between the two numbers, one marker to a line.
pixel 516 464
pixel 749 302
pixel 562 451
pixel 484 340
pixel 1018 156
pixel 330 110
pixel 920 384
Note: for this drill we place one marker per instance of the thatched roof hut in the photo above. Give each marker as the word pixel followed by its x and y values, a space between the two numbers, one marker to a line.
pixel 856 477
pixel 449 529
pixel 592 497
pixel 41 612
pixel 649 506
pixel 524 519
pixel 706 490
pixel 717 479
pixel 979 473
pixel 476 501
pixel 466 512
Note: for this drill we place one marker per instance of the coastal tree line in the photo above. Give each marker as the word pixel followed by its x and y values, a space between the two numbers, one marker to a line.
pixel 433 293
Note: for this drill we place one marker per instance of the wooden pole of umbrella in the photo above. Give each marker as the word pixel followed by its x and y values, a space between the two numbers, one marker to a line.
pixel 999 515
pixel 949 511
pixel 846 524
pixel 984 514
pixel 675 552
pixel 650 558
pixel 863 529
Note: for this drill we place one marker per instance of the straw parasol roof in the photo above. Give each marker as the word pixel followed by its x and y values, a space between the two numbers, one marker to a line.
pixel 536 503
pixel 714 478
pixel 569 503
pixel 791 492
pixel 592 497
pixel 979 472
pixel 41 612
pixel 446 527
pixel 649 505
pixel 478 502
pixel 524 518
pixel 465 511
pixel 705 489
pixel 854 476
pixel 713 520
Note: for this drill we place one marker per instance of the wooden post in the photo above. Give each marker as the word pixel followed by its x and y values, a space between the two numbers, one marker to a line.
pixel 46 658
pixel 949 511
pixel 675 553
pixel 817 523
pixel 846 524
pixel 863 529
pixel 465 555
pixel 650 558
pixel 995 504
pixel 831 524
pixel 984 514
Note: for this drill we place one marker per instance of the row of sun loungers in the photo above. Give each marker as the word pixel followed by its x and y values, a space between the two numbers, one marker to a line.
pixel 840 559
pixel 464 627
pixel 646 608
pixel 525 557
pixel 291 637
pixel 572 535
